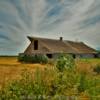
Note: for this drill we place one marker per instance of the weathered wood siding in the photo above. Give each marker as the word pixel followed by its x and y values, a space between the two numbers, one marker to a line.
pixel 85 55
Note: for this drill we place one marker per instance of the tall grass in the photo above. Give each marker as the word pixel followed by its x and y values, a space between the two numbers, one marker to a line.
pixel 49 83
pixel 53 84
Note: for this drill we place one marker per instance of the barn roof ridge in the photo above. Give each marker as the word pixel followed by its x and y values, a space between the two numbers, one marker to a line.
pixel 42 38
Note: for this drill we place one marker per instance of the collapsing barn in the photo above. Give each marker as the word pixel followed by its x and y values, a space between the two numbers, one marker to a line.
pixel 53 47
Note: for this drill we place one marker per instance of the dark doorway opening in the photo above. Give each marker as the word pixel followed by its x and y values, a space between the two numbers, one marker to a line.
pixel 49 55
pixel 95 55
pixel 35 44
pixel 74 56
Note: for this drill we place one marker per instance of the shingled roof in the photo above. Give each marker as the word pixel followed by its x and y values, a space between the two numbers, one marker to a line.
pixel 80 47
pixel 61 46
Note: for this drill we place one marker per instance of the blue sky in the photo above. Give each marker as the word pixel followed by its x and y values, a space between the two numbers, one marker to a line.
pixel 71 19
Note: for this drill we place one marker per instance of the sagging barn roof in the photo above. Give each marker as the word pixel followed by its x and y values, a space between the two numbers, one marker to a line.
pixel 58 46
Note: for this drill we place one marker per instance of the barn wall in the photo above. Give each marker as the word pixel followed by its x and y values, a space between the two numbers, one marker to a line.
pixel 56 55
pixel 41 49
pixel 85 56
pixel 98 55
pixel 28 50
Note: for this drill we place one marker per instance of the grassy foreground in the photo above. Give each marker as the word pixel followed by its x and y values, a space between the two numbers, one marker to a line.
pixel 11 69
pixel 33 81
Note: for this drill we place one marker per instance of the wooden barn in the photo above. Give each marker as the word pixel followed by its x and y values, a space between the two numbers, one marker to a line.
pixel 53 47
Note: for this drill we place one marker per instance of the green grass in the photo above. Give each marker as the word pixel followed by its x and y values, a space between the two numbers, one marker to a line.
pixel 91 59
pixel 50 82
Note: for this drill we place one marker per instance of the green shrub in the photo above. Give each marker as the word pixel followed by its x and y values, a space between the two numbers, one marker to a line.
pixel 97 69
pixel 49 82
pixel 65 61
pixel 33 59
pixel 20 57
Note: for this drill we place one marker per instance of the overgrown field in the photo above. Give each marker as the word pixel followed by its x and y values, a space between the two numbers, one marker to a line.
pixel 54 81
pixel 11 69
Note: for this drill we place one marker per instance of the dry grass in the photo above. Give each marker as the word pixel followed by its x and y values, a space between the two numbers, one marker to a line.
pixel 11 69
pixel 86 65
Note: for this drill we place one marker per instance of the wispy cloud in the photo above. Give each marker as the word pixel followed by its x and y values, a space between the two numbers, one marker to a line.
pixel 73 19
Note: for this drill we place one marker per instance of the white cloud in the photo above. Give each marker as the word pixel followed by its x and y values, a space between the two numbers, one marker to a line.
pixel 70 18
